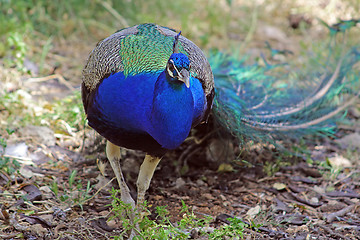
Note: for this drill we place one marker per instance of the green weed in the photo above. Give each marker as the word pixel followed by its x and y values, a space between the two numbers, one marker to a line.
pixel 328 171
pixel 163 228
pixel 234 230
pixel 73 193
pixel 22 111
pixel 7 165
pixel 272 167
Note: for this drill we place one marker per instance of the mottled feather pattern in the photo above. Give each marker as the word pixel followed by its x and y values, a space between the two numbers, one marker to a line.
pixel 106 58
pixel 147 51
pixel 110 55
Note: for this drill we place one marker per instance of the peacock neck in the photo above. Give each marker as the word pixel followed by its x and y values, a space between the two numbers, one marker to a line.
pixel 171 113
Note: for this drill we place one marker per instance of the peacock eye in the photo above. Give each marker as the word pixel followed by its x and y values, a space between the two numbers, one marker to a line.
pixel 171 65
pixel 171 68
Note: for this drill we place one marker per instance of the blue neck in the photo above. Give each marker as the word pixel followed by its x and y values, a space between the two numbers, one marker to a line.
pixel 172 112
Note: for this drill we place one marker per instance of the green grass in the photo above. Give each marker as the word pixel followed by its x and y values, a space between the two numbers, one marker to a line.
pixel 210 24
pixel 163 228
pixel 72 194
pixel 23 110
pixel 7 165
pixel 78 17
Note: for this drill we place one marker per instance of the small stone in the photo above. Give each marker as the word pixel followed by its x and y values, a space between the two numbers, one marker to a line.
pixel 112 224
pixel 179 183
pixel 350 141
pixel 45 189
pixel 25 172
pixel 200 182
pixel 222 197
pixel 314 200
pixel 252 212
pixel 319 189
pixel 157 197
pixel 38 229
pixel 208 196
pixel 226 203
pixel 185 198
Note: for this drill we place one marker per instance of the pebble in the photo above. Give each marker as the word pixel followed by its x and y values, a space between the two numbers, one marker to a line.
pixel 222 197
pixel 208 196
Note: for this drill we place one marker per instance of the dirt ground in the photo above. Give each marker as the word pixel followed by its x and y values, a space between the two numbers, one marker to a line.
pixel 300 201
pixel 294 198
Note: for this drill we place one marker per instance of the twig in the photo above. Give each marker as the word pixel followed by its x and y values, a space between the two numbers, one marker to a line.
pixel 32 205
pixel 50 77
pixel 57 228
pixel 347 176
pixel 8 236
pixel 331 216
pixel 24 160
pixel 16 224
pixel 333 234
pixel 100 190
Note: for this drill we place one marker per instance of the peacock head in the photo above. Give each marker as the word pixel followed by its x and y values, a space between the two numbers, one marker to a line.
pixel 178 65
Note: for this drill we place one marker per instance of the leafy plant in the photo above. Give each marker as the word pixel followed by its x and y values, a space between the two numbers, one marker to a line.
pixel 17 50
pixel 234 230
pixel 272 167
pixel 8 165
pixel 73 194
pixel 328 171
pixel 161 227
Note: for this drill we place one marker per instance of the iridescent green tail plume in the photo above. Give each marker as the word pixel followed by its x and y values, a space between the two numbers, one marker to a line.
pixel 273 102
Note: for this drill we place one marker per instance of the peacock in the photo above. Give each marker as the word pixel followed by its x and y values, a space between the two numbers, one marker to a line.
pixel 145 87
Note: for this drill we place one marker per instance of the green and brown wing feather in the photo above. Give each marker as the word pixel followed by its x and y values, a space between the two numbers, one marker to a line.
pixel 139 49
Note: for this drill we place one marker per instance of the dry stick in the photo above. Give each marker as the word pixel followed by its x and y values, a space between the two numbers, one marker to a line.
pixel 333 234
pixel 331 217
pixel 8 236
pixel 347 176
pixel 57 228
pixel 50 77
pixel 100 189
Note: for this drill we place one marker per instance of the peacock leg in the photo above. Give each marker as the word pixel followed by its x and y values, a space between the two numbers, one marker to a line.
pixel 113 154
pixel 146 173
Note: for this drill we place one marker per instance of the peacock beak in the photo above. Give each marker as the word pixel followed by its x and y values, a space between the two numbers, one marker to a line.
pixel 184 76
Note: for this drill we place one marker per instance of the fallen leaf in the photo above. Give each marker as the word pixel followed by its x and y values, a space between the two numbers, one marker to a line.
pixel 33 194
pixel 279 186
pixel 19 150
pixel 339 162
pixel 26 172
pixel 252 212
pixel 225 167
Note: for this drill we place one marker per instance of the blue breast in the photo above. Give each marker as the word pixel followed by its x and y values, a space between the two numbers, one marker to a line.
pixel 125 109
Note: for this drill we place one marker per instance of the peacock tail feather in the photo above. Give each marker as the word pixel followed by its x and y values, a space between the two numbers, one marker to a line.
pixel 265 103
